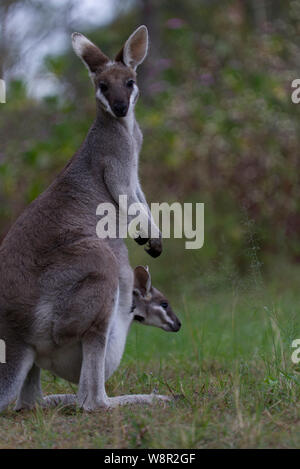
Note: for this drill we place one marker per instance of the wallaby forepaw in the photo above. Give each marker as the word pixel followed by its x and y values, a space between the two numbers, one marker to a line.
pixel 141 241
pixel 155 247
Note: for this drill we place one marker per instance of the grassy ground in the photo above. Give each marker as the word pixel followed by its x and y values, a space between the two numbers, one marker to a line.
pixel 230 363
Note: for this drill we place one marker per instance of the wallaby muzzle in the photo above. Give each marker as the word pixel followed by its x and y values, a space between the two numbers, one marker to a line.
pixel 120 108
pixel 177 325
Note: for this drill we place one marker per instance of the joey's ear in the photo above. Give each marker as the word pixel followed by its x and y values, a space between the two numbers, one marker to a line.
pixel 92 57
pixel 142 280
pixel 135 49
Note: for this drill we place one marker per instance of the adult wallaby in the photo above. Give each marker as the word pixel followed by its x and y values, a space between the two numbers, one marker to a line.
pixel 59 283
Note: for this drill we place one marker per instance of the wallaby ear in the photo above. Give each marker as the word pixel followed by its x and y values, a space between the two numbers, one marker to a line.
pixel 92 57
pixel 142 280
pixel 135 49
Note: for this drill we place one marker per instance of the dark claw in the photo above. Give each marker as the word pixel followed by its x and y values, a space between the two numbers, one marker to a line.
pixel 153 252
pixel 141 241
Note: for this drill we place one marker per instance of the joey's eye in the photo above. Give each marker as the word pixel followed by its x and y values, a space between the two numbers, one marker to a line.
pixel 103 87
pixel 130 83
pixel 164 304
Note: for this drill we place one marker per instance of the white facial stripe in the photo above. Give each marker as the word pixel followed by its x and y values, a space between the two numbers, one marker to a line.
pixel 133 97
pixel 129 119
pixel 164 315
pixel 104 102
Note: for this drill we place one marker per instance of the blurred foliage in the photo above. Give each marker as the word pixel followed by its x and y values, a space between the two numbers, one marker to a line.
pixel 219 125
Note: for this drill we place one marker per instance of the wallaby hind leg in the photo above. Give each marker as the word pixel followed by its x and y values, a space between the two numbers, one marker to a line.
pixel 91 393
pixel 19 361
pixel 31 392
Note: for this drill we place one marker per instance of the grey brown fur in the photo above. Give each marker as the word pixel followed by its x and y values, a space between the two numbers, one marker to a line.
pixel 63 291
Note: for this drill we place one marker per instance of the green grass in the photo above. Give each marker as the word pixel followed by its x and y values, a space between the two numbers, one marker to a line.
pixel 229 366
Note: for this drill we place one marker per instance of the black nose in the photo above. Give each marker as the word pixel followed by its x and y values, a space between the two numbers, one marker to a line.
pixel 177 326
pixel 120 109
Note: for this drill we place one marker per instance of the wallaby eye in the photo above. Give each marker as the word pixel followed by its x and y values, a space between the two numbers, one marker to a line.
pixel 103 87
pixel 130 83
pixel 164 304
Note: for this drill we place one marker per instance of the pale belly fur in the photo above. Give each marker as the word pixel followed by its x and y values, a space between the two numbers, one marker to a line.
pixel 66 361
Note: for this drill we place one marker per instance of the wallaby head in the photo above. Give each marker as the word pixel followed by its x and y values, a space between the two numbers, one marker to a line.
pixel 115 81
pixel 151 307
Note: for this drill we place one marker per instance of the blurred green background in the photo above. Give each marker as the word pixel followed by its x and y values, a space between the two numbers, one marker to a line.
pixel 216 111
